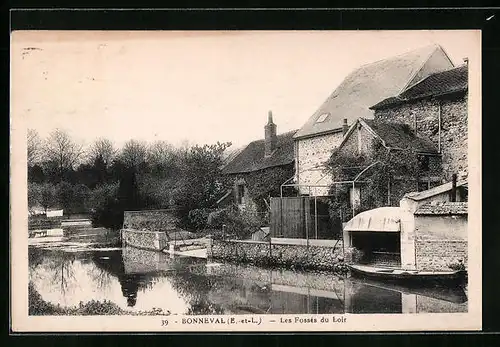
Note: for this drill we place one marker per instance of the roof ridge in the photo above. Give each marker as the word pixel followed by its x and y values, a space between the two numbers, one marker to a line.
pixel 424 61
pixel 395 57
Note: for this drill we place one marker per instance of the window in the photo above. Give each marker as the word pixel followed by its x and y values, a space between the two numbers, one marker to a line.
pixel 241 193
pixel 423 186
pixel 322 118
pixel 423 163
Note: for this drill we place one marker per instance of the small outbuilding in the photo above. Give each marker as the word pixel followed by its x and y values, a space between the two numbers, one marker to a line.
pixel 428 232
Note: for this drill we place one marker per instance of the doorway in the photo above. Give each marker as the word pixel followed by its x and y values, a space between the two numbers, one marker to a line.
pixel 379 248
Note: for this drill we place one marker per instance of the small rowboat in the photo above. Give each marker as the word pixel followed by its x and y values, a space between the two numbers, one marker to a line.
pixel 396 274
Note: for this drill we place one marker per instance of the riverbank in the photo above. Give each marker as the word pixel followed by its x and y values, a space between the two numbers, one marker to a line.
pixel 39 307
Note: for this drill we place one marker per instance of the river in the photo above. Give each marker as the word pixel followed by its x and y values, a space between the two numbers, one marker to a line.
pixel 88 265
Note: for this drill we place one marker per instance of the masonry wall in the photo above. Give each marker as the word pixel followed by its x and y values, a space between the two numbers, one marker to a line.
pixel 360 141
pixel 150 240
pixel 440 240
pixel 311 154
pixel 423 117
pixel 246 201
pixel 320 254
pixel 151 220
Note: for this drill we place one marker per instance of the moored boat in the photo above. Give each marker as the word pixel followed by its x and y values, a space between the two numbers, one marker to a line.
pixel 403 275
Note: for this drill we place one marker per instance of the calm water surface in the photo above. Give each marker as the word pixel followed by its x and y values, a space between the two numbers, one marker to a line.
pixel 87 265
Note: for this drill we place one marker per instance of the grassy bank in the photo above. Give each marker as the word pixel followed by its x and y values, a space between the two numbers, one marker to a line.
pixel 40 307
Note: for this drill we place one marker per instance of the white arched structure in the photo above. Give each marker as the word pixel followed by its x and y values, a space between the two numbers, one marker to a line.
pixel 386 220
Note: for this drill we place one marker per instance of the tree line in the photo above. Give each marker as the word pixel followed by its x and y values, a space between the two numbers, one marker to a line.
pixel 105 180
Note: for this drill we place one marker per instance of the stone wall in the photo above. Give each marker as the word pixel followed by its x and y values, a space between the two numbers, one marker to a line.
pixel 423 117
pixel 152 220
pixel 151 240
pixel 440 240
pixel 441 227
pixel 436 255
pixel 319 254
pixel 311 154
pixel 360 141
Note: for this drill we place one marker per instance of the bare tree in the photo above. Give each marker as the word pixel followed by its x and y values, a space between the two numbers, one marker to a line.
pixel 103 148
pixel 134 153
pixel 160 153
pixel 61 151
pixel 34 147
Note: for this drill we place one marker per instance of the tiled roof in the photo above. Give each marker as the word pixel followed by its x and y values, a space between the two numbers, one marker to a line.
pixel 399 135
pixel 418 196
pixel 368 85
pixel 438 84
pixel 442 208
pixel 252 157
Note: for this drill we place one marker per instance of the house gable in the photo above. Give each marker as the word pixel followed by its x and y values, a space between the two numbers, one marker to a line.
pixel 359 139
pixel 372 83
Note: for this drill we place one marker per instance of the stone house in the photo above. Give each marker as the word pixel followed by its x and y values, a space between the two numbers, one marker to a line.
pixel 272 155
pixel 435 108
pixel 366 86
pixel 365 137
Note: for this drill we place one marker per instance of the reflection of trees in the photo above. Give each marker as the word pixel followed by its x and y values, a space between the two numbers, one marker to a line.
pixel 196 288
pixel 101 277
pixel 62 267
pixel 35 258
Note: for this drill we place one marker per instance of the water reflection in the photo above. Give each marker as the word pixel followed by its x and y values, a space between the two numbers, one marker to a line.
pixel 141 280
pixel 188 286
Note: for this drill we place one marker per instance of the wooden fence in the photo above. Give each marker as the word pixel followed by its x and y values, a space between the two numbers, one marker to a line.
pixel 301 217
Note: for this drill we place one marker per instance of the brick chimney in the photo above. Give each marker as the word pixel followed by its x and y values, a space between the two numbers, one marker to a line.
pixel 345 127
pixel 270 138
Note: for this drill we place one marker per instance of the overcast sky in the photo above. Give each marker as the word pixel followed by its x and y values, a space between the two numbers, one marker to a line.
pixel 198 86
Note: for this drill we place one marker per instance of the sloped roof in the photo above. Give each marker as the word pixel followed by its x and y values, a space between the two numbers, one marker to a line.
pixel 400 136
pixel 231 153
pixel 368 85
pixel 442 83
pixel 252 157
pixel 442 208
pixel 382 219
pixel 443 188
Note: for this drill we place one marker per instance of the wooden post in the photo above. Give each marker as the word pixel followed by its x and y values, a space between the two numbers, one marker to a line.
pixel 316 216
pixel 307 229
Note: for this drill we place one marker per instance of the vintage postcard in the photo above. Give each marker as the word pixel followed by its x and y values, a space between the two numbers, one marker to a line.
pixel 172 181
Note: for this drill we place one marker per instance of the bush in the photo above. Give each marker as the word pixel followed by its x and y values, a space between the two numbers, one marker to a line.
pixel 198 218
pixel 457 266
pixel 236 223
pixel 106 209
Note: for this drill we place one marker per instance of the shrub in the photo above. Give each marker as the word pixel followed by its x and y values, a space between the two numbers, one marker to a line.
pixel 457 266
pixel 106 212
pixel 198 218
pixel 236 223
